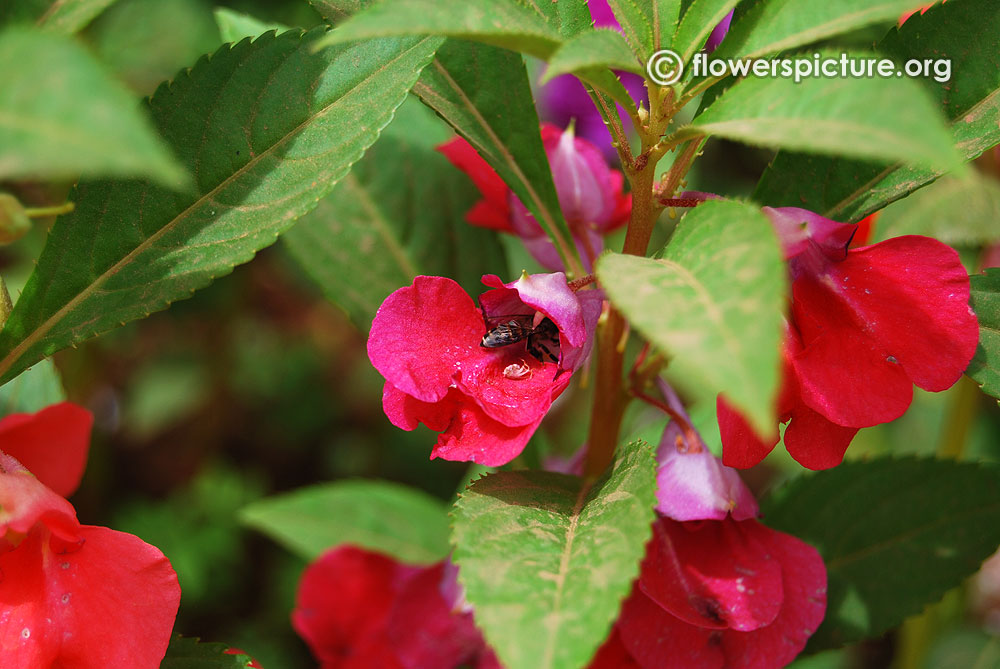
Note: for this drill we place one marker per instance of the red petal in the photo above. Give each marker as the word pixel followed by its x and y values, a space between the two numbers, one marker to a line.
pixel 741 447
pixel 111 603
pixel 521 399
pixel 52 444
pixel 613 655
pixel 475 437
pixel 406 412
pixel 815 442
pixel 461 154
pixel 485 214
pixel 422 333
pixel 658 640
pixel 803 577
pixel 712 574
pixel 25 502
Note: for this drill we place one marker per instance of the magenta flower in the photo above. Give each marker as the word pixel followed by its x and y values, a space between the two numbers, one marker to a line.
pixel 851 355
pixel 590 196
pixel 427 341
pixel 716 588
pixel 72 595
pixel 357 609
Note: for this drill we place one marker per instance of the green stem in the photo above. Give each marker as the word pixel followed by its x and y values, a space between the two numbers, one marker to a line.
pixel 45 212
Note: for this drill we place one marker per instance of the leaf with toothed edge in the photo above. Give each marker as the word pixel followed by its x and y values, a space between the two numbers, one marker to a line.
pixel 985 366
pixel 267 128
pixel 191 653
pixel 546 559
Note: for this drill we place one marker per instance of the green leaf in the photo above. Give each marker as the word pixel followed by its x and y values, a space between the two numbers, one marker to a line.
pixel 32 390
pixel 590 55
pixel 714 302
pixel 399 213
pixel 190 653
pixel 649 25
pixel 956 211
pixel 62 116
pixel 403 522
pixel 267 128
pixel 484 94
pixel 892 119
pixel 504 23
pixel 335 11
pixel 697 24
pixel 966 33
pixel 985 366
pixel 234 26
pixel 68 17
pixel 895 535
pixel 546 559
pixel 778 25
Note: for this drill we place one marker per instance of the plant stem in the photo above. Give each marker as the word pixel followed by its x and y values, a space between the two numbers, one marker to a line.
pixel 45 212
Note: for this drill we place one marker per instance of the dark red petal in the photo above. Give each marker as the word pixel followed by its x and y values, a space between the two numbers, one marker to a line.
pixel 841 371
pixel 741 447
pixel 803 578
pixel 422 333
pixel 711 574
pixel 475 437
pixel 509 384
pixel 658 640
pixel 815 442
pixel 461 154
pixel 111 603
pixel 613 655
pixel 52 444
pixel 913 281
pixel 344 601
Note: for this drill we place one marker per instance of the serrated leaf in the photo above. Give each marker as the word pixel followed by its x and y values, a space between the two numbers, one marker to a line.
pixel 714 302
pixel 399 213
pixel 334 11
pixel 590 55
pixel 890 119
pixel 267 128
pixel 396 520
pixel 957 211
pixel 32 390
pixel 68 17
pixel 767 27
pixel 503 23
pixel 698 23
pixel 77 119
pixel 985 301
pixel 234 26
pixel 191 653
pixel 895 535
pixel 483 93
pixel 965 33
pixel 648 26
pixel 546 559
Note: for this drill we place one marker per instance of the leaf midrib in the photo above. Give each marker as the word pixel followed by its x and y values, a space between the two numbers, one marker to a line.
pixel 49 323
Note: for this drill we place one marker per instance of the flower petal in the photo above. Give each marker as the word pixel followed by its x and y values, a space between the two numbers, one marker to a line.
pixel 52 444
pixel 697 486
pixel 26 502
pixel 512 400
pixel 422 333
pixel 473 436
pixel 741 447
pixel 815 442
pixel 658 640
pixel 492 212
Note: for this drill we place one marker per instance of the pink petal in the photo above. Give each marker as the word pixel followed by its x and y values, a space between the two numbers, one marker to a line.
pixel 475 437
pixel 800 229
pixel 741 447
pixel 111 603
pixel 712 574
pixel 697 486
pixel 547 293
pixel 658 640
pixel 422 333
pixel 406 412
pixel 803 578
pixel 582 178
pixel 52 444
pixel 511 400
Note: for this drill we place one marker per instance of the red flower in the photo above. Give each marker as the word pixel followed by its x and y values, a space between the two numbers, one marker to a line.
pixel 72 595
pixel 487 402
pixel 866 324
pixel 52 444
pixel 359 609
pixel 590 195
pixel 715 594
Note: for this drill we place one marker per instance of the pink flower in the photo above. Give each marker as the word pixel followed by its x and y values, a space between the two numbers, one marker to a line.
pixel 716 588
pixel 590 195
pixel 72 595
pixel 426 340
pixel 866 324
pixel 358 609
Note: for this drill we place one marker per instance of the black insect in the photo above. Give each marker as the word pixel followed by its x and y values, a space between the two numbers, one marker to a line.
pixel 541 341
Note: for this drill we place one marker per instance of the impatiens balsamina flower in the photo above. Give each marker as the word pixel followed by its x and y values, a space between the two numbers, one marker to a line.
pixel 716 588
pixel 590 195
pixel 358 609
pixel 426 340
pixel 72 595
pixel 866 324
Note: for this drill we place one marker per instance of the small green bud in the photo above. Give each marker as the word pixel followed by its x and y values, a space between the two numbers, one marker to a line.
pixel 14 221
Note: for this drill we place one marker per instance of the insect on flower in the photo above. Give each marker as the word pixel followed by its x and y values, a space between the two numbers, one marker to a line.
pixel 541 339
